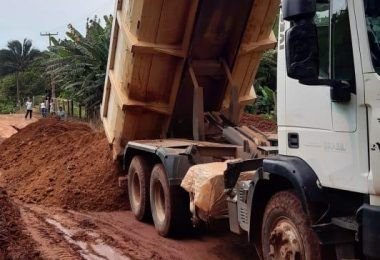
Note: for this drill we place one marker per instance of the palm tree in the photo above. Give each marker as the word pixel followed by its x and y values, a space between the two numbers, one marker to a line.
pixel 16 58
pixel 78 63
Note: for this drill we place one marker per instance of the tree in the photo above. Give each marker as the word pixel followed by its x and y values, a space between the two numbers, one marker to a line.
pixel 265 85
pixel 78 64
pixel 16 59
pixel 267 72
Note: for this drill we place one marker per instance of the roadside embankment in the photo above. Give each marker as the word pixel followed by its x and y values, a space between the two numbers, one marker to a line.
pixel 63 164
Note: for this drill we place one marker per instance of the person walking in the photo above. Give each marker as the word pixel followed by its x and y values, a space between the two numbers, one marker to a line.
pixel 43 109
pixel 29 109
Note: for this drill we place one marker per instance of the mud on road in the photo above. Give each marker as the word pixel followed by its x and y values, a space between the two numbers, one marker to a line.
pixel 117 235
pixel 54 223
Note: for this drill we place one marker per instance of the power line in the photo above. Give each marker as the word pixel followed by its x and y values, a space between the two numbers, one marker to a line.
pixel 52 80
pixel 48 35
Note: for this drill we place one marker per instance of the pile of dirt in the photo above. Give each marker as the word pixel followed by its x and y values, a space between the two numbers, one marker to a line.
pixel 14 243
pixel 63 164
pixel 263 124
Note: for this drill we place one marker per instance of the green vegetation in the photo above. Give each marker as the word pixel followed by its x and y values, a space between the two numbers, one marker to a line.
pixel 78 64
pixel 265 86
pixel 20 73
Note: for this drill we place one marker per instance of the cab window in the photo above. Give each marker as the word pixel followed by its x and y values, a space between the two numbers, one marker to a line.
pixel 335 43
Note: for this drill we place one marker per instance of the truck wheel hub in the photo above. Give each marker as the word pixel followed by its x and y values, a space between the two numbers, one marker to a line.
pixel 285 241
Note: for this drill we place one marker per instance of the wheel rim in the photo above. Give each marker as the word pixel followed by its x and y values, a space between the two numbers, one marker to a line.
pixel 159 201
pixel 136 190
pixel 285 241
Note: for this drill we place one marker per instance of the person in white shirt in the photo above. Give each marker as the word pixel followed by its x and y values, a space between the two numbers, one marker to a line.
pixel 52 112
pixel 29 109
pixel 43 109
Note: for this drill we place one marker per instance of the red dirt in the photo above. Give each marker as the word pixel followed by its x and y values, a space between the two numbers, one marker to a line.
pixel 120 235
pixel 64 164
pixel 259 122
pixel 14 244
pixel 9 123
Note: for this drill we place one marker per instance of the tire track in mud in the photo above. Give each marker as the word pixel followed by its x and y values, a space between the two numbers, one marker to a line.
pixel 117 235
pixel 213 245
pixel 50 243
pixel 87 239
pixel 134 243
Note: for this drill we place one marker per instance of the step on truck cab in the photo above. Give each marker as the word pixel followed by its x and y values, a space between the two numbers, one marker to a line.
pixel 184 69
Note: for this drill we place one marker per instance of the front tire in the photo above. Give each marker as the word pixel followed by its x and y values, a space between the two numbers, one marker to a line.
pixel 286 230
pixel 138 187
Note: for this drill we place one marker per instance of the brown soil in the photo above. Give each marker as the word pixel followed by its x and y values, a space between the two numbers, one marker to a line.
pixel 52 166
pixel 64 164
pixel 14 244
pixel 259 122
pixel 9 124
pixel 118 235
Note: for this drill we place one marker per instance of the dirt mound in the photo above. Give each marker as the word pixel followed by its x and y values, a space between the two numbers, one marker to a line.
pixel 259 122
pixel 64 164
pixel 14 244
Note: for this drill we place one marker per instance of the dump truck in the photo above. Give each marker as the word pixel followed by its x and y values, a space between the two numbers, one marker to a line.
pixel 180 73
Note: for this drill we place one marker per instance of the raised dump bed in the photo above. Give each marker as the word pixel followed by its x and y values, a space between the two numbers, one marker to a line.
pixel 173 60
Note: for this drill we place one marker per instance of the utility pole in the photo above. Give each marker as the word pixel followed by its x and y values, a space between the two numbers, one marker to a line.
pixel 52 80
pixel 48 35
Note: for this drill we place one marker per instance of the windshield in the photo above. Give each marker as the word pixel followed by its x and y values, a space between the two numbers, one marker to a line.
pixel 372 12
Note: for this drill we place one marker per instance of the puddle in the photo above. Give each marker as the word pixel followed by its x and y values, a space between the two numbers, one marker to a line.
pixel 97 250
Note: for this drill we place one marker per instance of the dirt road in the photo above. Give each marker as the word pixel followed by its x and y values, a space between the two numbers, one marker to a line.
pixel 65 234
pixel 117 235
pixel 9 123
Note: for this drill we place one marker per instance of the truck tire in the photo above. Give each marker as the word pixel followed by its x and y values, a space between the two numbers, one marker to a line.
pixel 169 204
pixel 286 232
pixel 138 187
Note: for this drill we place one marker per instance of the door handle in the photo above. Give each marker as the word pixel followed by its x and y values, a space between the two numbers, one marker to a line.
pixel 293 141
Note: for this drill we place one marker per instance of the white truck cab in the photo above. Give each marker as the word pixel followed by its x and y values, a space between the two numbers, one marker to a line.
pixel 338 139
pixel 329 104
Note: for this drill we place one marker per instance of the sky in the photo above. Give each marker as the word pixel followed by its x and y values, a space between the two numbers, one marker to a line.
pixel 21 19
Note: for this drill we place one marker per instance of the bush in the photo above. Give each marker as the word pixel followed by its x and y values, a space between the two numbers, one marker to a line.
pixel 7 107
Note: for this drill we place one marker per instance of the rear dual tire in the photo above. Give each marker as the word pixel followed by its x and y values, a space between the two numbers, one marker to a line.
pixel 169 205
pixel 138 187
pixel 151 195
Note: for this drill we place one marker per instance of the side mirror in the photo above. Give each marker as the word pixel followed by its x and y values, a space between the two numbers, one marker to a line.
pixel 298 9
pixel 302 52
pixel 340 91
pixel 302 56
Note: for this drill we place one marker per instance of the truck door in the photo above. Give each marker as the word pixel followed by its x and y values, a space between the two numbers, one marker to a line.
pixel 369 34
pixel 331 134
pixel 342 66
